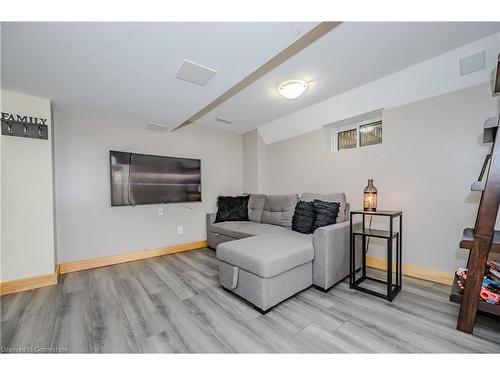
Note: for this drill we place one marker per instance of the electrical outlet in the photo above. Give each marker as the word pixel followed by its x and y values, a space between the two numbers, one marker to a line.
pixel 161 211
pixel 180 229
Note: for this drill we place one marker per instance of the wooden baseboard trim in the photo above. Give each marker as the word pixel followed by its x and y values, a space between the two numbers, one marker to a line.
pixel 128 257
pixel 21 285
pixel 35 282
pixel 414 271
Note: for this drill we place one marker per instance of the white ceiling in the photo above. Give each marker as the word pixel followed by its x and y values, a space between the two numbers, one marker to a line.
pixel 128 69
pixel 349 56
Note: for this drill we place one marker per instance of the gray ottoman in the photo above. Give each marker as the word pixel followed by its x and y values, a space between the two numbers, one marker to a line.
pixel 266 269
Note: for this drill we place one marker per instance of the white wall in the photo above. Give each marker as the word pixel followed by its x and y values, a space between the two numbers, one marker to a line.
pixel 254 163
pixel 27 195
pixel 262 185
pixel 87 225
pixel 250 162
pixel 432 77
pixel 431 153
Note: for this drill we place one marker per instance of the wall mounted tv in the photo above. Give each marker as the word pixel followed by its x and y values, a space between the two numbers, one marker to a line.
pixel 147 179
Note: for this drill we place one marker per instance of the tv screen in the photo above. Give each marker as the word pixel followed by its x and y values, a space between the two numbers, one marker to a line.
pixel 146 179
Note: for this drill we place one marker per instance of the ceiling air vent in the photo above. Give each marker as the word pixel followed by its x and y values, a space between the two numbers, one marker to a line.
pixel 161 128
pixel 224 121
pixel 195 73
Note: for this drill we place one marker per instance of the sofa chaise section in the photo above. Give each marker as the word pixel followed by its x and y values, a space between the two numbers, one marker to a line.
pixel 266 269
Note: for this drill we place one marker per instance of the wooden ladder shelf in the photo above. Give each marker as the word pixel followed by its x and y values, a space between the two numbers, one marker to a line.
pixel 482 239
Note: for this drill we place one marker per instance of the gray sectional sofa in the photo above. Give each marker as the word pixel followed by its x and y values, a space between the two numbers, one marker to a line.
pixel 265 262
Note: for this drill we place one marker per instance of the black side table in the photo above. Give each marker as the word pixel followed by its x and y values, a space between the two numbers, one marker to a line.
pixel 389 235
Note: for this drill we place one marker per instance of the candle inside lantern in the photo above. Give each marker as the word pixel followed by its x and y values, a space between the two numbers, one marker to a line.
pixel 370 197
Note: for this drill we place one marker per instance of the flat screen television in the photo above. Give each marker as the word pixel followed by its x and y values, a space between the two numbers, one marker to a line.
pixel 147 179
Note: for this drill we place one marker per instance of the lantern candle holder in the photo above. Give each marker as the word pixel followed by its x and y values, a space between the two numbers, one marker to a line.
pixel 370 197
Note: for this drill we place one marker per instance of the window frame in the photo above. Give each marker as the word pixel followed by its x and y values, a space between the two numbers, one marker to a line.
pixel 354 125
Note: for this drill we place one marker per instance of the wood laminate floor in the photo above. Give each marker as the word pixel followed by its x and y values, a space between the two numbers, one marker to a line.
pixel 173 304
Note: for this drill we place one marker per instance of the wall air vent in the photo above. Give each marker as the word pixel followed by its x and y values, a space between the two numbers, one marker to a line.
pixel 472 63
pixel 195 73
pixel 161 128
pixel 224 121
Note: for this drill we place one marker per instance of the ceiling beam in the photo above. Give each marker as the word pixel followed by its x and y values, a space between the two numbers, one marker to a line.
pixel 297 46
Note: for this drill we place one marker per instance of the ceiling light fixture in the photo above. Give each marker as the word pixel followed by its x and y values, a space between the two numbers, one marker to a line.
pixel 292 89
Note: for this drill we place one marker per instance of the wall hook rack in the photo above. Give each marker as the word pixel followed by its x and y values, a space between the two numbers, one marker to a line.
pixel 24 129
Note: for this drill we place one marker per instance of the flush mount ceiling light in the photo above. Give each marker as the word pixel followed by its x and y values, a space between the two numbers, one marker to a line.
pixel 292 89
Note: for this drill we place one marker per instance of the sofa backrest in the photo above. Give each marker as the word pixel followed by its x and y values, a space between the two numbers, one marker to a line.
pixel 332 197
pixel 256 207
pixel 279 209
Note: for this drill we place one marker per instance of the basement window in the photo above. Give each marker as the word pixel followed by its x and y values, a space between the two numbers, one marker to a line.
pixel 360 134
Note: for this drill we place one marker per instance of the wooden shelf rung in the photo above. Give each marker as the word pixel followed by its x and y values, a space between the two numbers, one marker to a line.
pixel 468 239
pixel 478 186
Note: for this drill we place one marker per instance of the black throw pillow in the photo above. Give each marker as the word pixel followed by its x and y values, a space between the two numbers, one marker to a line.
pixel 303 217
pixel 232 208
pixel 326 213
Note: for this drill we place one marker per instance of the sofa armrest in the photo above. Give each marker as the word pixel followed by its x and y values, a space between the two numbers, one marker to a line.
pixel 211 218
pixel 210 236
pixel 331 254
pixel 210 221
